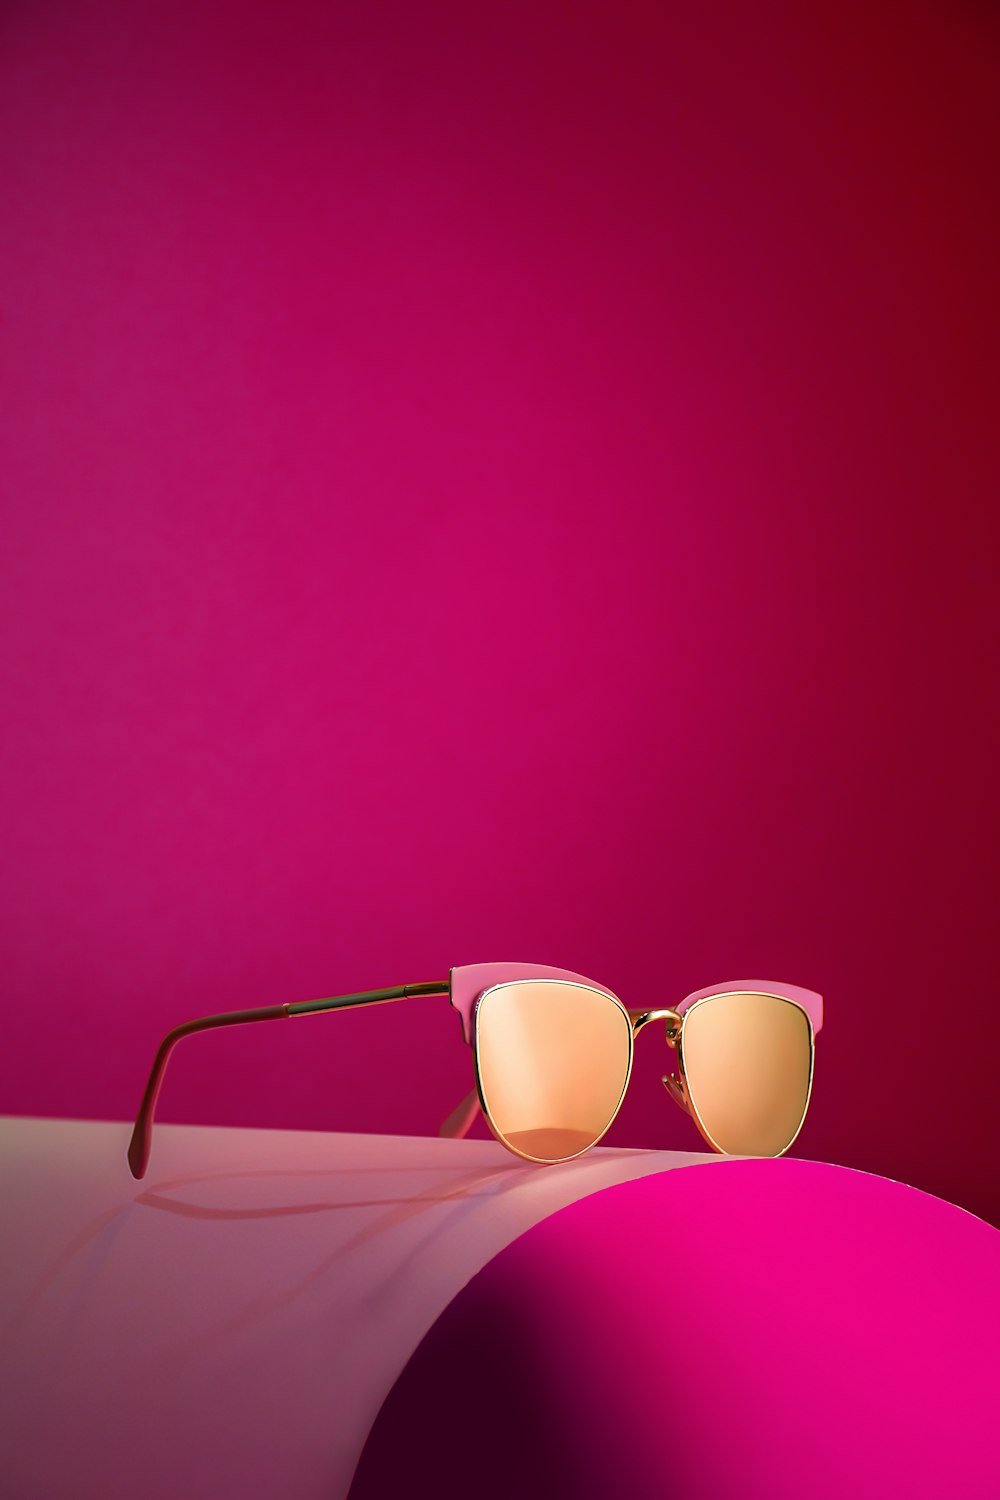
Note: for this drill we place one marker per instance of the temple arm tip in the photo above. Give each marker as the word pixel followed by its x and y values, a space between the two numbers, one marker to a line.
pixel 459 1122
pixel 138 1156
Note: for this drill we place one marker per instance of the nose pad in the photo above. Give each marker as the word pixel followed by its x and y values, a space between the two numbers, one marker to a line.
pixel 675 1089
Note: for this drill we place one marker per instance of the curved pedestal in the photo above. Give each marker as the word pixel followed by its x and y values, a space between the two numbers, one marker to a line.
pixel 761 1329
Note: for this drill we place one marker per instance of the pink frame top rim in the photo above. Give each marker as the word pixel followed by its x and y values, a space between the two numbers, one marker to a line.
pixel 809 1000
pixel 468 981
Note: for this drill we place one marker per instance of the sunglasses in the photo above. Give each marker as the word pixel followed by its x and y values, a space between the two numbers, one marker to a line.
pixel 552 1057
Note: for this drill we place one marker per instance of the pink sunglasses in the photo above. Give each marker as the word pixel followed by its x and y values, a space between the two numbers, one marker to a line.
pixel 552 1056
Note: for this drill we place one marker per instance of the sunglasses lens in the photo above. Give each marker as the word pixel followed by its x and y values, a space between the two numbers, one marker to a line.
pixel 748 1061
pixel 553 1063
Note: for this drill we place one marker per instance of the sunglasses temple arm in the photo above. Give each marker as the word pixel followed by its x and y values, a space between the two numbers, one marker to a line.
pixel 460 1121
pixel 142 1134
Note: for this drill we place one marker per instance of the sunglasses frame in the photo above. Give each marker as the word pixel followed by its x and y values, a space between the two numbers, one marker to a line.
pixel 465 988
pixel 679 1088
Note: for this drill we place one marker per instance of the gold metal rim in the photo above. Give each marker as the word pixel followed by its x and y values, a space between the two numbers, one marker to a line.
pixel 549 1161
pixel 695 1115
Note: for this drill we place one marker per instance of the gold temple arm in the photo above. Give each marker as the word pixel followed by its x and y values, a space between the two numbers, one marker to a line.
pixel 141 1142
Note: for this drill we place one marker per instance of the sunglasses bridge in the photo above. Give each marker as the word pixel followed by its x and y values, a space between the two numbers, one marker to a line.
pixel 674 1022
pixel 641 1018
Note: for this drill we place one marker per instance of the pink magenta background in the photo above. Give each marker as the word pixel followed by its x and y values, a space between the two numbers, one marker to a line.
pixel 499 483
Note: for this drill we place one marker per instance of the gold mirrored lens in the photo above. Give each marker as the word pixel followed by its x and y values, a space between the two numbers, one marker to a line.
pixel 553 1060
pixel 747 1059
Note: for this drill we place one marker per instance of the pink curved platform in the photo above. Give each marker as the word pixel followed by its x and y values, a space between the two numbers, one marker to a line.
pixel 231 1325
pixel 764 1329
pixel 242 1321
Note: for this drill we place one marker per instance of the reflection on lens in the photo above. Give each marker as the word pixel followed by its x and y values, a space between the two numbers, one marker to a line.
pixel 747 1059
pixel 553 1060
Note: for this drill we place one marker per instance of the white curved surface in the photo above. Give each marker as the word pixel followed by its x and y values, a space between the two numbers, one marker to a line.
pixel 232 1324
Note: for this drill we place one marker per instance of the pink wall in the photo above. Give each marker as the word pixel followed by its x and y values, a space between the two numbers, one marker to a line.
pixel 499 482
